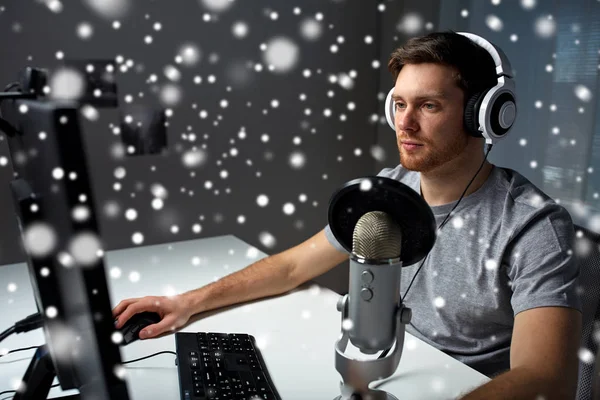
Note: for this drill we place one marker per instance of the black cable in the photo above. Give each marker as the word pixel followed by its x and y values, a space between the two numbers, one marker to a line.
pixel 151 355
pixel 33 321
pixel 19 349
pixel 125 362
pixel 27 324
pixel 489 148
pixel 11 85
pixel 7 333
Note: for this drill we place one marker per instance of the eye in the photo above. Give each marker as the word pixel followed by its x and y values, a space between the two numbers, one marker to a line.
pixel 398 105
pixel 430 106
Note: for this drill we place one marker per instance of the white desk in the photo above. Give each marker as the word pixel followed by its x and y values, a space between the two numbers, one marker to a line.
pixel 296 332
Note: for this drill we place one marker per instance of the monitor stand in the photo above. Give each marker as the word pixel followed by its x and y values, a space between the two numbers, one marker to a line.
pixel 39 377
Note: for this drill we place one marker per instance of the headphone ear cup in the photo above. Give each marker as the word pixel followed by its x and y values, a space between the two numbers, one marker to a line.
pixel 471 114
pixel 389 109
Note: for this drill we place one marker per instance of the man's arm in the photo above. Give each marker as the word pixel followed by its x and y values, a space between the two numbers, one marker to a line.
pixel 543 357
pixel 269 276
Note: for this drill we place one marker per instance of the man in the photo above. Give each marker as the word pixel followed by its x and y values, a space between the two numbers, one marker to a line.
pixel 498 289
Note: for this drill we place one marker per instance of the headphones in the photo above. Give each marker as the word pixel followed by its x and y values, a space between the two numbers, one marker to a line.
pixel 490 113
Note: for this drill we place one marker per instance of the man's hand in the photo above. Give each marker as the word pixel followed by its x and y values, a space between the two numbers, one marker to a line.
pixel 174 313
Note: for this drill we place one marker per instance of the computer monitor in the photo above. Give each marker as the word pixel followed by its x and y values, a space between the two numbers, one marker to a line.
pixel 56 214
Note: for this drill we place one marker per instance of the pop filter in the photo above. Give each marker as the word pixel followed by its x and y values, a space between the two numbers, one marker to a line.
pixel 375 193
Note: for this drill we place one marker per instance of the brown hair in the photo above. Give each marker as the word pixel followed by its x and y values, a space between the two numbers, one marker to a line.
pixel 475 67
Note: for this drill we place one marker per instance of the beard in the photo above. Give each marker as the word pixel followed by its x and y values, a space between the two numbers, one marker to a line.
pixel 429 156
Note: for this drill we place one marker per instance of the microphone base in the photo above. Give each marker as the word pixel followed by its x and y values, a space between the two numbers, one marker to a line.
pixel 357 374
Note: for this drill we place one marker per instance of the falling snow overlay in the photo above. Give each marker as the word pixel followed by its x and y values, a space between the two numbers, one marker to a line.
pixel 269 109
pixel 286 94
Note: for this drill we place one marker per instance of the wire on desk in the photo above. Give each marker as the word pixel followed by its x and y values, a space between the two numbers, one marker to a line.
pixel 125 362
pixel 151 355
pixel 20 349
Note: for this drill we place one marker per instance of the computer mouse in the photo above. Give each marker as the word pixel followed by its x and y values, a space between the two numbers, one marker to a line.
pixel 131 329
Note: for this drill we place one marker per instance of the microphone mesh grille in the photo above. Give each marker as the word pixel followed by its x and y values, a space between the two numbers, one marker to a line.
pixel 377 236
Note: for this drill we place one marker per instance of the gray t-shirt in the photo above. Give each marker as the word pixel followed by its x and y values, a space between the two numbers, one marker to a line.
pixel 505 250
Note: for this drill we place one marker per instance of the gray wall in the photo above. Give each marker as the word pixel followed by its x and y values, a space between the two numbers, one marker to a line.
pixel 31 34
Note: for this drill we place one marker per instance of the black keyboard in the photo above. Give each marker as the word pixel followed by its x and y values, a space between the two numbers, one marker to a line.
pixel 222 366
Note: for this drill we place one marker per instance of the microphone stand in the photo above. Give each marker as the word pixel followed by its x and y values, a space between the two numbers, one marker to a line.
pixel 358 374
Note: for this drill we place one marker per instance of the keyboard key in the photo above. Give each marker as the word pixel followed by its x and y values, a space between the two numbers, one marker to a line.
pixel 222 375
pixel 210 378
pixel 247 379
pixel 240 335
pixel 225 387
pixel 212 393
pixel 218 355
pixel 254 366
pixel 259 378
pixel 236 382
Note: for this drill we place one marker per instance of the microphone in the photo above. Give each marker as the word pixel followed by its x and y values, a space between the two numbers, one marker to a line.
pixel 374 290
pixel 384 225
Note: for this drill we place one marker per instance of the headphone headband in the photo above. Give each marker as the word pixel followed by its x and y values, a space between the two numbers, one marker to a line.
pixel 502 64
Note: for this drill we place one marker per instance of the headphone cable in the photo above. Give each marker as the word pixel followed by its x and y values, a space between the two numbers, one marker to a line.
pixel 488 149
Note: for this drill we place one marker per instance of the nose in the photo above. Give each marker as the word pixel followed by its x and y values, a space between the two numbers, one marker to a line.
pixel 405 119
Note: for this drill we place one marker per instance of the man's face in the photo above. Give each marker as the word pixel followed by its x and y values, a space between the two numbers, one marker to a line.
pixel 429 113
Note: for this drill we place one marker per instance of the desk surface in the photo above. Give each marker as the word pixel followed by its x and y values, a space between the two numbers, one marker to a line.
pixel 296 332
